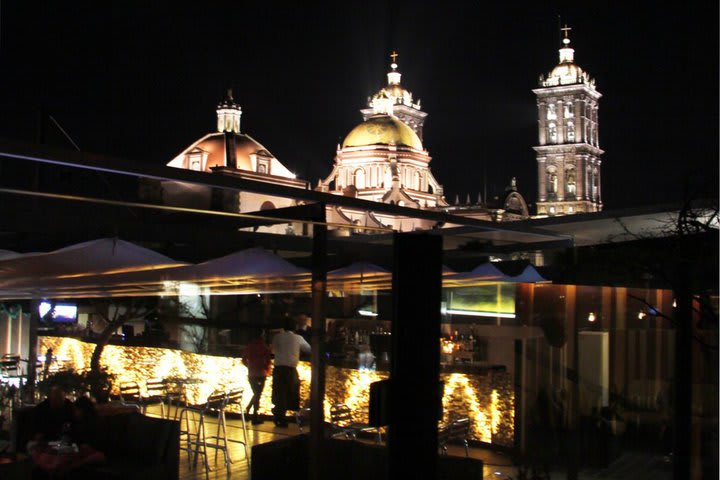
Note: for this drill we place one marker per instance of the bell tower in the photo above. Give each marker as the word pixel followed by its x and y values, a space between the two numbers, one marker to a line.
pixel 568 151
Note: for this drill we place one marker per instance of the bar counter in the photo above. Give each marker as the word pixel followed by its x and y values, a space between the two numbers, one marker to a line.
pixel 486 396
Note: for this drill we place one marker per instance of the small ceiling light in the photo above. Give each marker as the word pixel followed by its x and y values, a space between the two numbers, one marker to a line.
pixel 641 315
pixel 591 317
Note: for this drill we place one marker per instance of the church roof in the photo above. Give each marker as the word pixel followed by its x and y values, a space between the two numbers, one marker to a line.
pixel 384 130
pixel 213 146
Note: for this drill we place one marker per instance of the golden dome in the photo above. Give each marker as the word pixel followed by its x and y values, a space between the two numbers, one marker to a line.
pixel 385 130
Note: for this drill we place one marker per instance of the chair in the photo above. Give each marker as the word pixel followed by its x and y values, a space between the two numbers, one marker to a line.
pixel 343 424
pixel 302 418
pixel 174 395
pixel 456 430
pixel 156 394
pixel 130 395
pixel 10 368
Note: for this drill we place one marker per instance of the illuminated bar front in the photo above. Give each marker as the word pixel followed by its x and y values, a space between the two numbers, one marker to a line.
pixel 487 399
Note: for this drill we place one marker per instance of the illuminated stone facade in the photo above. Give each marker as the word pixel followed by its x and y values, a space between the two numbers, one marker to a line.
pixel 568 151
pixel 383 160
pixel 488 400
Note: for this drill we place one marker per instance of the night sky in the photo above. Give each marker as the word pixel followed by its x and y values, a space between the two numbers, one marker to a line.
pixel 141 81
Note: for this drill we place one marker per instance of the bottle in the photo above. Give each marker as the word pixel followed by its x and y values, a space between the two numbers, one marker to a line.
pixel 65 434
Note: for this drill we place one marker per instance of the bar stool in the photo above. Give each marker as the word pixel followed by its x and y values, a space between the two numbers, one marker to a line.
pixel 235 397
pixel 216 402
pixel 174 395
pixel 189 440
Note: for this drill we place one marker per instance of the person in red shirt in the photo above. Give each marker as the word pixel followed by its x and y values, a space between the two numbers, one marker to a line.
pixel 256 357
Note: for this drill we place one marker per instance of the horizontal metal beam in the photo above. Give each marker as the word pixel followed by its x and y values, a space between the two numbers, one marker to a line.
pixel 43 154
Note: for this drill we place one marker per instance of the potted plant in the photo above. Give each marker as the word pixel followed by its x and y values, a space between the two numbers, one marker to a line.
pixel 7 399
pixel 97 384
pixel 68 380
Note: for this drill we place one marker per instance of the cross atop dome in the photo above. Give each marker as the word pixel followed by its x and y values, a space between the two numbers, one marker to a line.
pixel 393 56
pixel 394 75
pixel 567 54
pixel 565 31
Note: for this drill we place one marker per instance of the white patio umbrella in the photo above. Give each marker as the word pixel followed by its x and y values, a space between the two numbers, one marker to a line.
pixel 103 256
pixel 484 273
pixel 98 263
pixel 360 276
pixel 8 254
pixel 529 275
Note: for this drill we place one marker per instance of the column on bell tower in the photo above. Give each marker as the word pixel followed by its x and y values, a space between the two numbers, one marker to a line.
pixel 560 121
pixel 542 123
pixel 578 120
pixel 542 176
pixel 580 179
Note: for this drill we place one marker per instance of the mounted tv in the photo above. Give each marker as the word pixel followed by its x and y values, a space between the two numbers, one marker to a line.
pixel 62 313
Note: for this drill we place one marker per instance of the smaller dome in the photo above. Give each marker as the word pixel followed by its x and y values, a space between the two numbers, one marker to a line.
pixel 384 130
pixel 568 73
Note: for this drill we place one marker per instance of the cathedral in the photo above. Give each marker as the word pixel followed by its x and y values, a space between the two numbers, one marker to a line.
pixel 383 159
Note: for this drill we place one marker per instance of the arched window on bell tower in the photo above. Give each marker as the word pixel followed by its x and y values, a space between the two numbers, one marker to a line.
pixel 595 192
pixel 570 188
pixel 359 178
pixel 570 131
pixel 416 180
pixel 552 182
pixel 552 132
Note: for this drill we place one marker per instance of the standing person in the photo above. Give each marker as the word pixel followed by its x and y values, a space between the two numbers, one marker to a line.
pixel 286 346
pixel 256 357
pixel 304 328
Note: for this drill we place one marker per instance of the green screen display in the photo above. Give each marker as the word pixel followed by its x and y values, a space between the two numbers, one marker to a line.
pixel 496 298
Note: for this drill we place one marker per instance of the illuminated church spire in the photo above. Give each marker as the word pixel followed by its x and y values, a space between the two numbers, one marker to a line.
pixel 568 151
pixel 567 54
pixel 397 101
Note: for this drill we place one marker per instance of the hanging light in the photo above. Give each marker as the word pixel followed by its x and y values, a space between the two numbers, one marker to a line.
pixel 591 317
pixel 641 315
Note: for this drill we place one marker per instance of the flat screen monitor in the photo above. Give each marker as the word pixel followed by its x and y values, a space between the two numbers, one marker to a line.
pixel 62 313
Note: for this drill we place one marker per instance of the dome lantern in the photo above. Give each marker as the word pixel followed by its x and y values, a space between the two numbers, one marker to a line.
pixel 228 115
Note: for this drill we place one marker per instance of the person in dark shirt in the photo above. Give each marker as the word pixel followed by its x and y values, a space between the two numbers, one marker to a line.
pixel 85 426
pixel 79 430
pixel 51 415
pixel 86 432
pixel 257 358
